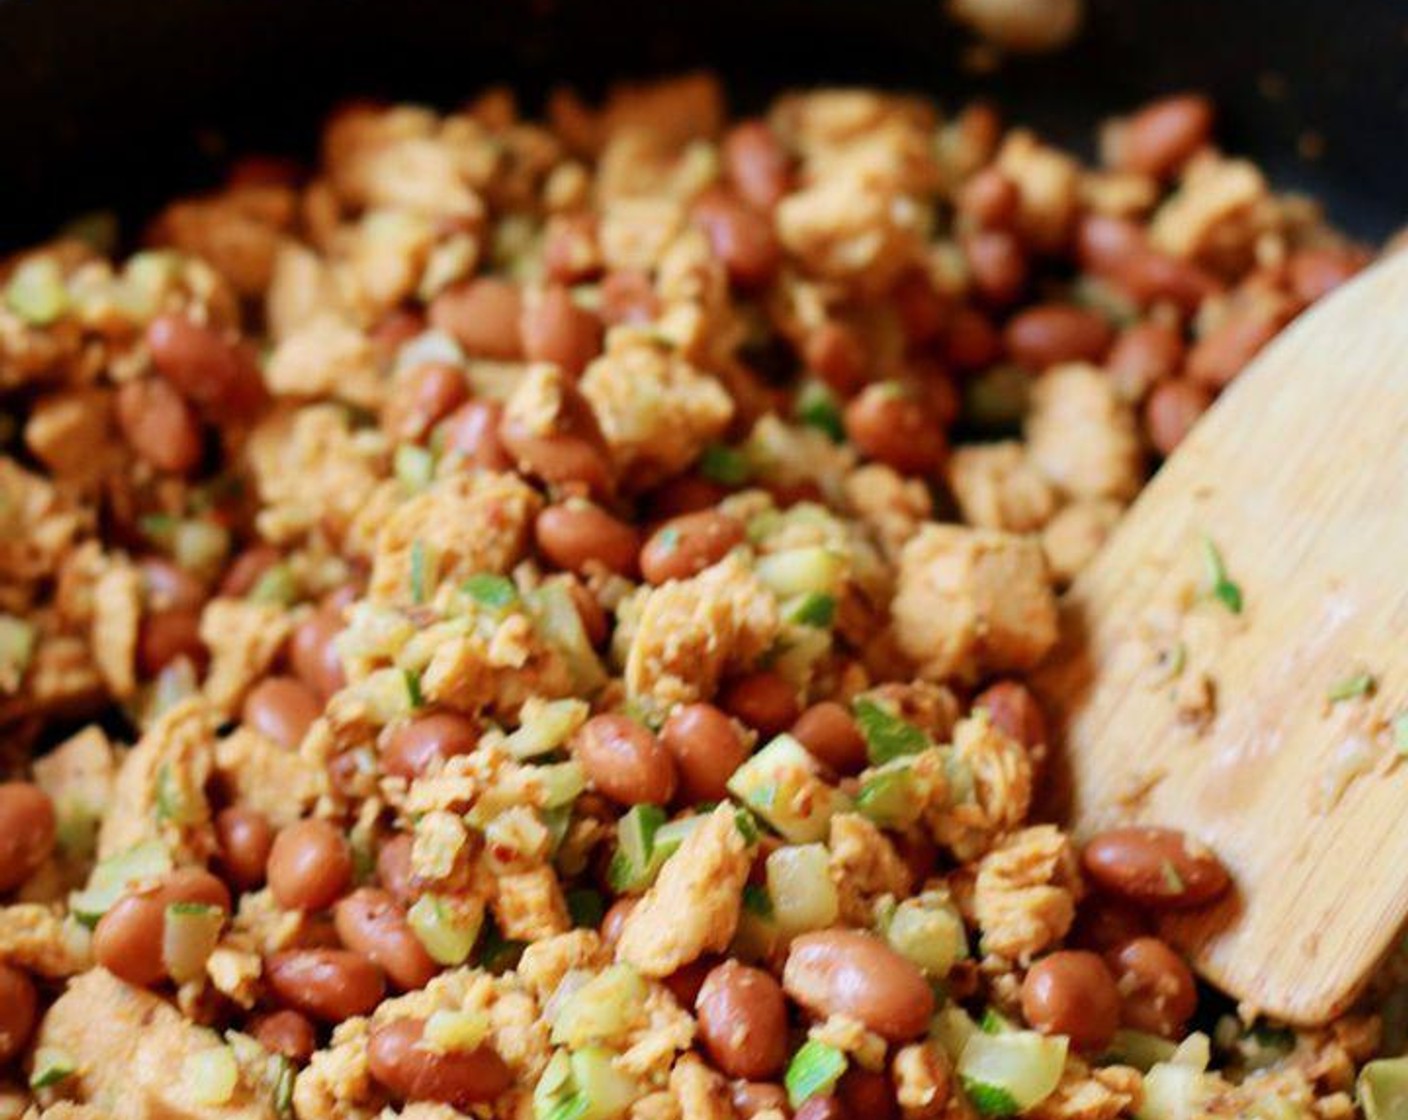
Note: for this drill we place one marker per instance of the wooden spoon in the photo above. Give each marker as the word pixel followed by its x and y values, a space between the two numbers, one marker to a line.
pixel 1268 734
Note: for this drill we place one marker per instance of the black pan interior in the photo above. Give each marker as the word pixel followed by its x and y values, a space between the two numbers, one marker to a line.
pixel 121 104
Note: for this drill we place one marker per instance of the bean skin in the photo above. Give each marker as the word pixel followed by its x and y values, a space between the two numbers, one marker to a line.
pixel 281 708
pixel 1161 868
pixel 1162 136
pixel 846 972
pixel 684 546
pixel 743 1021
pixel 579 536
pixel 625 761
pixel 159 426
pixel 831 735
pixel 763 701
pixel 1014 711
pixel 327 984
pixel 896 428
pixel 27 831
pixel 1158 989
pixel 245 837
pixel 482 315
pixel 286 1032
pixel 166 635
pixel 1071 992
pixel 312 653
pixel 19 1010
pixel 707 748
pixel 213 371
pixel 371 922
pixel 310 865
pixel 556 330
pixel 756 164
pixel 412 1072
pixel 472 432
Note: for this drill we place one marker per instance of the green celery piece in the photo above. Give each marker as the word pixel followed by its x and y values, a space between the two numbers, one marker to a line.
pixel 887 736
pixel 990 1100
pixel 813 1070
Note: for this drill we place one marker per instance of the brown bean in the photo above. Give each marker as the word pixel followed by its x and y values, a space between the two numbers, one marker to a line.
pixel 989 200
pixel 472 432
pixel 684 546
pixel 743 1021
pixel 27 830
pixel 215 372
pixel 971 342
pixel 922 311
pixel 707 748
pixel 371 922
pixel 310 865
pixel 686 982
pixel 393 331
pixel 482 316
pixel 246 569
pixel 1151 277
pixel 835 353
pixel 571 248
pixel 1104 243
pixel 159 426
pixel 831 735
pixel 167 585
pixel 245 837
pixel 19 1010
pixel 1104 923
pixel 740 237
pixel 581 537
pixel 847 972
pixel 413 1072
pixel 869 1095
pixel 432 391
pixel 615 920
pixel 1049 334
pixel 762 700
pixel 752 1097
pixel 393 868
pixel 628 296
pixel 326 984
pixel 591 613
pixel 686 493
pixel 556 330
pixel 756 164
pixel 313 656
pixel 166 635
pixel 625 761
pixel 895 427
pixel 286 1032
pixel 1315 273
pixel 1222 353
pixel 1014 710
pixel 1161 137
pixel 822 1108
pixel 1158 989
pixel 282 709
pixel 575 453
pixel 1143 355
pixel 998 266
pixel 128 938
pixel 1157 867
pixel 1071 992
pixel 1171 411
pixel 417 747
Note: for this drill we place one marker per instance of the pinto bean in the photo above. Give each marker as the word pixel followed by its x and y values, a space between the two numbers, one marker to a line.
pixel 416 747
pixel 166 635
pixel 371 922
pixel 216 372
pixel 998 266
pixel 159 426
pixel 1222 353
pixel 835 353
pixel 19 1011
pixel 763 701
pixel 684 546
pixel 743 1021
pixel 310 865
pixel 579 536
pixel 1156 867
pixel 1049 334
pixel 28 827
pixel 1157 987
pixel 556 330
pixel 286 1032
pixel 1014 710
pixel 574 454
pixel 1161 137
pixel 756 164
pixel 433 391
pixel 327 984
pixel 1145 354
pixel 1171 411
pixel 625 761
pixel 989 199
pixel 847 972
pixel 740 237
pixel 896 428
pixel 482 315
pixel 128 938
pixel 282 708
pixel 1071 992
pixel 707 748
pixel 245 837
pixel 314 657
pixel 413 1072
pixel 831 734
pixel 628 296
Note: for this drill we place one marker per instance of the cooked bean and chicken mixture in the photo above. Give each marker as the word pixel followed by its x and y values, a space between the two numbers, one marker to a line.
pixel 528 620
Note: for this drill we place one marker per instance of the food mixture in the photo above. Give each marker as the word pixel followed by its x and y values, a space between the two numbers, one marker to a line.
pixel 528 620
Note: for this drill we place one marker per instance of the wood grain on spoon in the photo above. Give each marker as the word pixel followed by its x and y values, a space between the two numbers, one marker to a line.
pixel 1268 734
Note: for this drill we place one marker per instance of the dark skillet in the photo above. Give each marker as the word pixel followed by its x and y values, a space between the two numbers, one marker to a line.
pixel 127 102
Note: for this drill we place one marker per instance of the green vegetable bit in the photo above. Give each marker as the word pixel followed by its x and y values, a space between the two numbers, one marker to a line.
pixel 1220 586
pixel 413 689
pixel 587 908
pixel 488 590
pixel 817 408
pixel 815 1068
pixel 756 900
pixel 1351 688
pixel 419 575
pixel 815 608
pixel 51 1066
pixel 887 736
pixel 727 466
pixel 990 1100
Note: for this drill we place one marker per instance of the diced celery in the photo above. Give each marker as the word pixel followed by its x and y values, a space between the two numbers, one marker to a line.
pixel 995 1022
pixel 388 693
pixel 725 465
pixel 817 408
pixel 545 726
pixel 496 593
pixel 113 876
pixel 584 1086
pixel 51 1065
pixel 36 292
pixel 815 608
pixel 211 1076
pixel 630 868
pixel 562 783
pixel 276 585
pixel 800 887
pixel 560 626
pixel 951 1029
pixel 456 1030
pixel 813 569
pixel 781 784
pixel 16 647
pixel 1383 1089
pixel 447 929
pixel 422 575
pixel 285 1074
pixel 200 546
pixel 887 735
pixel 891 796
pixel 602 1010
pixel 414 467
pixel 188 937
pixel 929 931
pixel 1020 1067
pixel 175 803
pixel 1138 1049
pixel 814 1070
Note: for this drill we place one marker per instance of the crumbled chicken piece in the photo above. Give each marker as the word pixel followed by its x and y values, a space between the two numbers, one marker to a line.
pixel 117 613
pixel 656 410
pixel 326 357
pixel 924 1081
pixel 73 434
pixel 243 637
pixel 1082 436
pixel 529 905
pixel 892 506
pixel 258 773
pixel 998 487
pixel 1025 893
pixel 302 289
pixel 973 601
pixel 694 905
pixel 38 524
pixel 1001 772
pixel 841 229
pixel 1048 189
pixel 546 961
pixel 690 632
pixel 1085 1093
pixel 1076 533
pixel 238 232
pixel 702 1093
pixel 864 866
pixel 337 1084
pixel 1216 192
pixel 41 940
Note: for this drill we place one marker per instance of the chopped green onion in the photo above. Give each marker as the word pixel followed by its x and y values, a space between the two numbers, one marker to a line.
pixel 756 900
pixel 1220 586
pixel 51 1065
pixel 283 1086
pixel 17 639
pixel 173 803
pixel 814 1070
pixel 488 590
pixel 815 608
pixel 419 576
pixel 1351 688
pixel 199 545
pixel 887 736
pixel 637 859
pixel 417 699
pixel 414 467
pixel 990 1100
pixel 587 907
pixel 817 408
pixel 1010 1071
pixel 890 796
pixel 725 465
pixel 747 825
